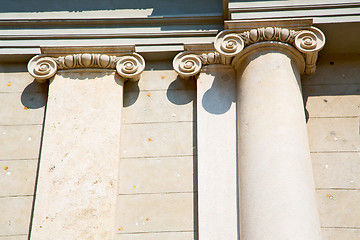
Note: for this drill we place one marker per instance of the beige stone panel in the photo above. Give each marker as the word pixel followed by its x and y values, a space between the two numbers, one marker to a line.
pixel 156 236
pixel 336 170
pixel 156 175
pixel 20 142
pixel 336 100
pixel 19 81
pixel 17 177
pixel 15 237
pixel 160 80
pixel 333 106
pixel 22 109
pixel 339 208
pixel 77 183
pixel 155 212
pixel 217 156
pixel 336 69
pixel 334 134
pixel 331 90
pixel 159 106
pixel 340 234
pixel 15 215
pixel 157 139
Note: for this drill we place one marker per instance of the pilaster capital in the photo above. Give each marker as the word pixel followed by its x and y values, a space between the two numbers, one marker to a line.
pixel 308 41
pixel 129 65
pixel 188 64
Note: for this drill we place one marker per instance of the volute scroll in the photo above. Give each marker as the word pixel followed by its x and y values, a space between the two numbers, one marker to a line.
pixel 188 64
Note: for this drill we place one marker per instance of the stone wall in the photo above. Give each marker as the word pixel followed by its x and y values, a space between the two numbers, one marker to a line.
pixel 157 182
pixel 157 171
pixel 332 99
pixel 22 103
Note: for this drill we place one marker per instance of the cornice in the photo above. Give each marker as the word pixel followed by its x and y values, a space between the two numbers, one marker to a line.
pixel 321 11
pixel 300 6
pixel 108 21
pixel 128 65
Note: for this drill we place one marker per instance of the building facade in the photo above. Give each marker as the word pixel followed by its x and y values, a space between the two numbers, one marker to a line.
pixel 175 120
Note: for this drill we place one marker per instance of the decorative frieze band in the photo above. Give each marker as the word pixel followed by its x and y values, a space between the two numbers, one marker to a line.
pixel 229 44
pixel 130 66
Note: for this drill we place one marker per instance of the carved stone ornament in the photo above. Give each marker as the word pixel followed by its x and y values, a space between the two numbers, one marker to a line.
pixel 189 64
pixel 230 43
pixel 43 67
pixel 309 42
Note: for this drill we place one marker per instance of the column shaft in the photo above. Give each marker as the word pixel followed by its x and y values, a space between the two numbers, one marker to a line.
pixel 77 182
pixel 277 194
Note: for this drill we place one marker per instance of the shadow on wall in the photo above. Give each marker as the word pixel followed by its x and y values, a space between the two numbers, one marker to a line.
pixel 34 95
pixel 220 92
pixel 131 87
pixel 181 84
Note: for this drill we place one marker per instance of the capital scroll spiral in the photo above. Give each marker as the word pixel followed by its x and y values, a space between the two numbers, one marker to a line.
pixel 187 65
pixel 130 67
pixel 309 41
pixel 42 68
pixel 229 45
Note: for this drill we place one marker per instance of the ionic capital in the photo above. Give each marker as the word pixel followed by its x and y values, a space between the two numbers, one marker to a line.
pixel 309 42
pixel 129 66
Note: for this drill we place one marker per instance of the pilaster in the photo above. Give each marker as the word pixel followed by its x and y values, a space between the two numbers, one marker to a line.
pixel 76 191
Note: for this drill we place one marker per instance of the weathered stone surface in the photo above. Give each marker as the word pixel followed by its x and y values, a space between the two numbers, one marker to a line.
pixel 157 139
pixel 22 108
pixel 157 236
pixel 335 100
pixel 16 237
pixel 20 142
pixel 159 106
pixel 156 175
pixel 77 183
pixel 340 234
pixel 336 170
pixel 334 134
pixel 155 213
pixel 339 208
pixel 160 80
pixel 17 177
pixel 15 215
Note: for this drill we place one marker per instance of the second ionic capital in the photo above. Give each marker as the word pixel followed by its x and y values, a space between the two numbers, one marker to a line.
pixel 230 43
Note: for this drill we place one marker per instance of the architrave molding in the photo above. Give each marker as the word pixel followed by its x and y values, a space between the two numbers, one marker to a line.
pixel 128 64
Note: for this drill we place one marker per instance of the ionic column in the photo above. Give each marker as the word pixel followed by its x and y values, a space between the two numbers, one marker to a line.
pixel 77 180
pixel 277 193
pixel 216 141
